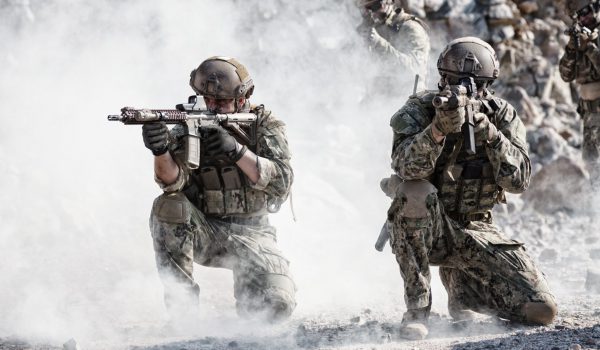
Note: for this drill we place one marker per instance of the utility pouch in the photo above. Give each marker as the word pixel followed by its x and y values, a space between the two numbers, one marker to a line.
pixel 210 178
pixel 213 196
pixel 255 200
pixel 449 186
pixel 233 194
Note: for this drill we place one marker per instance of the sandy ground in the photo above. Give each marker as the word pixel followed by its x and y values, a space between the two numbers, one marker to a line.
pixel 576 327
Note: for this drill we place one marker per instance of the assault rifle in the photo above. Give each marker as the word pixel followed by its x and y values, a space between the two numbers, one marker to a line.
pixel 193 116
pixel 462 96
pixel 575 32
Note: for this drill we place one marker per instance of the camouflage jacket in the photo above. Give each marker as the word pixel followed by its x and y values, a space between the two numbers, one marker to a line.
pixel 582 66
pixel 273 160
pixel 416 155
pixel 401 39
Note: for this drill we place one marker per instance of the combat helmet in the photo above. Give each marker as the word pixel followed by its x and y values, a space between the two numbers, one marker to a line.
pixel 374 5
pixel 469 57
pixel 221 78
pixel 575 5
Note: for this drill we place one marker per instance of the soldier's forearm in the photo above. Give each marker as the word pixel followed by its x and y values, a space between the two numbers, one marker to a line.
pixel 567 66
pixel 271 176
pixel 437 135
pixel 249 166
pixel 512 167
pixel 165 168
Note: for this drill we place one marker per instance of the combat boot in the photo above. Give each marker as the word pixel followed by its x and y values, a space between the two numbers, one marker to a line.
pixel 414 324
pixel 459 312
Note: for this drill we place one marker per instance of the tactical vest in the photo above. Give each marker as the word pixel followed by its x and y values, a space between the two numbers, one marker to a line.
pixel 465 183
pixel 586 71
pixel 219 187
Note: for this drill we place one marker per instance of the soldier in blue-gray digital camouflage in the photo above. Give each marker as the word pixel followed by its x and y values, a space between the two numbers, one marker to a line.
pixel 581 63
pixel 444 194
pixel 217 215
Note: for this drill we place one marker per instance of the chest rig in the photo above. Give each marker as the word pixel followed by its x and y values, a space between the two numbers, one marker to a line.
pixel 219 188
pixel 586 71
pixel 466 183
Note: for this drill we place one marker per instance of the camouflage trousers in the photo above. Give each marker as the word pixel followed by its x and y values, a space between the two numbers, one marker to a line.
pixel 591 144
pixel 183 235
pixel 481 269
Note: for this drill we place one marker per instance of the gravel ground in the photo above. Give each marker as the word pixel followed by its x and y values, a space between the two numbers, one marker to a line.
pixel 577 327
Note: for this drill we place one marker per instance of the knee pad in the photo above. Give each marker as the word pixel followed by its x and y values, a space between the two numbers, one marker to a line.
pixel 389 185
pixel 412 198
pixel 172 208
pixel 540 312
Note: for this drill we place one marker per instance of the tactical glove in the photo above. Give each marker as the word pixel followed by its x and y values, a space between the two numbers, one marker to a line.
pixel 156 137
pixel 484 130
pixel 449 121
pixel 584 39
pixel 220 142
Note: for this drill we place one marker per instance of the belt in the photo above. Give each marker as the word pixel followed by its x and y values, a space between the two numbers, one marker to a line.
pixel 466 217
pixel 245 220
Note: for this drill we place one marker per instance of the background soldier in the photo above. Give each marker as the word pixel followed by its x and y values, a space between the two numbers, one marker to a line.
pixel 581 62
pixel 217 215
pixel 441 214
pixel 400 38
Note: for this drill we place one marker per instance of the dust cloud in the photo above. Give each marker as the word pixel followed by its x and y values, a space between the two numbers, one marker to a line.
pixel 76 256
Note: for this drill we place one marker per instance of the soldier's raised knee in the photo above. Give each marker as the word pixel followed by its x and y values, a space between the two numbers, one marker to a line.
pixel 414 198
pixel 172 208
pixel 540 312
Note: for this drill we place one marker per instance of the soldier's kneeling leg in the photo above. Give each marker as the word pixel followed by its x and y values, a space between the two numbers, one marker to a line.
pixel 496 275
pixel 267 295
pixel 414 213
pixel 262 283
pixel 531 301
pixel 173 236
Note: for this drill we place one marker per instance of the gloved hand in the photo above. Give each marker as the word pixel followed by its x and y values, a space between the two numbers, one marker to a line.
pixel 584 39
pixel 484 130
pixel 449 121
pixel 156 137
pixel 588 38
pixel 219 141
pixel 378 41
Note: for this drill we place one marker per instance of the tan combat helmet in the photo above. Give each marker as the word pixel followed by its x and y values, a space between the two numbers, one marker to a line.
pixel 221 78
pixel 469 57
pixel 374 5
pixel 575 5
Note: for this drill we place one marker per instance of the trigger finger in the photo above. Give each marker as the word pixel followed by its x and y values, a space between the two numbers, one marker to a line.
pixel 478 117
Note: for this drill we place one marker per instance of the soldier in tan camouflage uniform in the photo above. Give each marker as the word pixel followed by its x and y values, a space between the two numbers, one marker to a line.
pixel 441 214
pixel 581 62
pixel 216 215
pixel 400 39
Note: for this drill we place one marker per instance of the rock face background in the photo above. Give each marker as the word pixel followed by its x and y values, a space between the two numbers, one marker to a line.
pixel 76 257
